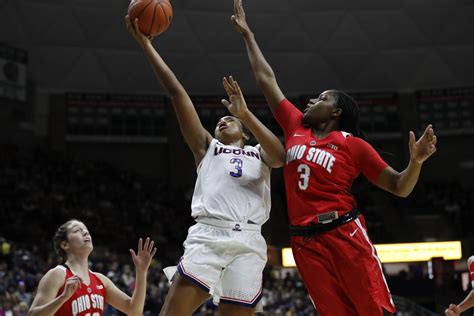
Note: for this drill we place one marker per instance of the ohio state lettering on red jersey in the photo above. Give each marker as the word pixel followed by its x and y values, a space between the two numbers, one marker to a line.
pixel 316 155
pixel 318 172
pixel 88 300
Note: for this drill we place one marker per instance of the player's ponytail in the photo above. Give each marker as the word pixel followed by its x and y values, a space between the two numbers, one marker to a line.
pixel 59 237
pixel 350 117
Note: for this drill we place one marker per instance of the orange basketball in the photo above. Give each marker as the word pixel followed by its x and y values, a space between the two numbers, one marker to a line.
pixel 154 16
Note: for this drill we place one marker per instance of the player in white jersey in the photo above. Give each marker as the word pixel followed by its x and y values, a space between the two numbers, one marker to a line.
pixel 225 252
pixel 468 302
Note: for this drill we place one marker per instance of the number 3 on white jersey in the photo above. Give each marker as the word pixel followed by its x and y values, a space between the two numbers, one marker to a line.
pixel 304 172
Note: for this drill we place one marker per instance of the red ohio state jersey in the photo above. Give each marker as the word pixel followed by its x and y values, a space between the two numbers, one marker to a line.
pixel 88 300
pixel 319 172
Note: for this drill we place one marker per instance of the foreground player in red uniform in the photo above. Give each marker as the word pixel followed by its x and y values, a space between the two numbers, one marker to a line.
pixel 468 302
pixel 72 289
pixel 325 154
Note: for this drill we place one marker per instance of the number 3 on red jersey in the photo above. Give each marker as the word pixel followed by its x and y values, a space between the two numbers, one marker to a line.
pixel 304 172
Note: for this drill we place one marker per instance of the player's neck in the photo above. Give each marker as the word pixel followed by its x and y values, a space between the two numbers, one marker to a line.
pixel 78 265
pixel 238 143
pixel 323 129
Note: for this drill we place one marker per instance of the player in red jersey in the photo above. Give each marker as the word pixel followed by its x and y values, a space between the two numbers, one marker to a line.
pixel 325 154
pixel 468 302
pixel 72 289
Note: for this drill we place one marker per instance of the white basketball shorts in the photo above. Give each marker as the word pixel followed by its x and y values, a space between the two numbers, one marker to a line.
pixel 225 259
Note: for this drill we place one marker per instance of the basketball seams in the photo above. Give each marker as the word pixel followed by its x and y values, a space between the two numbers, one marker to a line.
pixel 144 8
pixel 166 18
pixel 153 17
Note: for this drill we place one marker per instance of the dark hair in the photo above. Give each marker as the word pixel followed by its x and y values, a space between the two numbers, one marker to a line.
pixel 60 236
pixel 350 117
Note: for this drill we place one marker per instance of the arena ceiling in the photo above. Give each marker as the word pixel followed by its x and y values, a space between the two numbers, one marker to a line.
pixel 82 45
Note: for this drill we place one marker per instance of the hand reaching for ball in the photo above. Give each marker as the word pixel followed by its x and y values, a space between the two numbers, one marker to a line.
pixel 150 17
pixel 134 30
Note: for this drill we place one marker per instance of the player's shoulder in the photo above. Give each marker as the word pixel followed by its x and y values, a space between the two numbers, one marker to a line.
pixel 54 277
pixel 57 271
pixel 256 147
pixel 351 140
pixel 103 279
pixel 470 261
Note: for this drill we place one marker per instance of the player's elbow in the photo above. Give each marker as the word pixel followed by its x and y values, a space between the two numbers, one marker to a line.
pixel 403 193
pixel 276 161
pixel 32 312
pixel 277 164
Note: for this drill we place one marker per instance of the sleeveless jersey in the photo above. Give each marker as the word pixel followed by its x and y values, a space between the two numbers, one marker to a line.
pixel 88 300
pixel 319 172
pixel 233 184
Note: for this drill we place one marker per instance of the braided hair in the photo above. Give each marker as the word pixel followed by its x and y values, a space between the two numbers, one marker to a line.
pixel 350 117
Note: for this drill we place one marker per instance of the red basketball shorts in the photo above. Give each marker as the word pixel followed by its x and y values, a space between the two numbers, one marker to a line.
pixel 342 272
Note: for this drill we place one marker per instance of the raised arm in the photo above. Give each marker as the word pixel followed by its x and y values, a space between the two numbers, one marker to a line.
pixel 134 305
pixel 402 183
pixel 273 152
pixel 262 71
pixel 46 303
pixel 195 135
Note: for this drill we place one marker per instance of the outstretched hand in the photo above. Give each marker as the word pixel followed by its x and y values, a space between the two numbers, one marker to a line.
pixel 425 146
pixel 452 310
pixel 134 30
pixel 142 258
pixel 238 18
pixel 237 105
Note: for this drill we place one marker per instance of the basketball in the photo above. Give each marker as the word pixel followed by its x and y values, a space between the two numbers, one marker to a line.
pixel 154 16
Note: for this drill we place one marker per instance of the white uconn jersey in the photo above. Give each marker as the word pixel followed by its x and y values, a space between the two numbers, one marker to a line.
pixel 233 184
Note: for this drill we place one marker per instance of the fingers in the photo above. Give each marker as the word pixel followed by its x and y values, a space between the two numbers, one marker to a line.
pixel 147 247
pixel 228 86
pixel 135 25
pixel 226 103
pixel 140 243
pixel 240 7
pixel 73 282
pixel 73 279
pixel 127 21
pixel 150 247
pixel 428 132
pixel 411 139
pixel 147 243
pixel 237 88
pixel 153 252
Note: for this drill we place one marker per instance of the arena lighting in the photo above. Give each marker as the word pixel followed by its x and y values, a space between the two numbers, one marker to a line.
pixel 407 252
pixel 423 251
